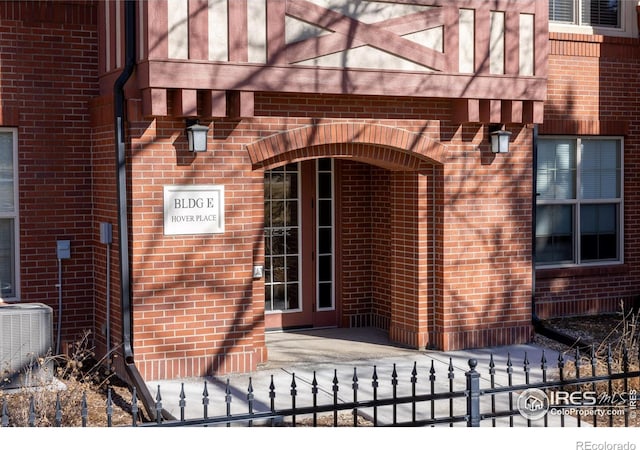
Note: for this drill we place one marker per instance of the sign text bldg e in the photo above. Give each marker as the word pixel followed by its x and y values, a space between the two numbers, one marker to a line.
pixel 197 209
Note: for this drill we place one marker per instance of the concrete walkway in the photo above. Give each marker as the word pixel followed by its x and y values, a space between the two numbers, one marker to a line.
pixel 325 354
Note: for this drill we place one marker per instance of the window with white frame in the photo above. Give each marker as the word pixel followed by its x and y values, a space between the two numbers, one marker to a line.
pixel 595 13
pixel 8 214
pixel 579 201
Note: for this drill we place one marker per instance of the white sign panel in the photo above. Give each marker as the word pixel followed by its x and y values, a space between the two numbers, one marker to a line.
pixel 195 209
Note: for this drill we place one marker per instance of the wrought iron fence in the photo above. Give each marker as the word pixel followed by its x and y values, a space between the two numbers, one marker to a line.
pixel 576 391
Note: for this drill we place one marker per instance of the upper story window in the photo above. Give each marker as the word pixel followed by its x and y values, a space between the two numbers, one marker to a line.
pixel 601 17
pixel 579 201
pixel 8 214
pixel 595 13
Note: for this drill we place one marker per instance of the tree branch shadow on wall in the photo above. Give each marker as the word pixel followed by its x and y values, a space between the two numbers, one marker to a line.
pixel 495 236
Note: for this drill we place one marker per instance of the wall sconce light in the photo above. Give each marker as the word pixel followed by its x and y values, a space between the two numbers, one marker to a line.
pixel 499 139
pixel 197 136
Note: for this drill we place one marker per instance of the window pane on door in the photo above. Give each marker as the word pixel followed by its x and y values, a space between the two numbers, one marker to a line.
pixel 292 296
pixel 292 268
pixel 325 267
pixel 277 241
pixel 325 293
pixel 324 234
pixel 324 185
pixel 291 242
pixel 325 241
pixel 278 302
pixel 277 269
pixel 281 235
pixel 325 212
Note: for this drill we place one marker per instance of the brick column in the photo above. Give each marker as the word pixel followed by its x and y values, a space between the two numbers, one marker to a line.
pixel 410 272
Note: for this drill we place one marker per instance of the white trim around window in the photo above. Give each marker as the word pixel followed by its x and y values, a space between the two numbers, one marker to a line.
pixel 325 279
pixel 278 204
pixel 9 217
pixel 579 201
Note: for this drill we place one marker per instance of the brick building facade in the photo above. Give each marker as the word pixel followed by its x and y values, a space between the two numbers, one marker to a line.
pixel 351 190
pixel 591 86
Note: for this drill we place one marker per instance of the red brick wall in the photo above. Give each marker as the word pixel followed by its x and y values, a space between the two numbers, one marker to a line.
pixel 355 230
pixel 410 279
pixel 105 209
pixel 196 308
pixel 593 90
pixel 380 212
pixel 47 77
pixel 486 258
pixel 198 311
pixel 461 260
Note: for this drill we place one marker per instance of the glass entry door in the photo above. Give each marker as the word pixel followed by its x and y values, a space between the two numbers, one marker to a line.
pixel 299 245
pixel 282 239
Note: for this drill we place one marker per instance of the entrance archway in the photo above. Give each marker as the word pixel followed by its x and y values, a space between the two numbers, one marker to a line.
pixel 403 193
pixel 384 146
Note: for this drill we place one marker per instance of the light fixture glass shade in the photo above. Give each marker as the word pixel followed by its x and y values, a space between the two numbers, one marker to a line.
pixel 197 137
pixel 500 141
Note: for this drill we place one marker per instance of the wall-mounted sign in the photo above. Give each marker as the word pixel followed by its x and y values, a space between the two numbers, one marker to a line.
pixel 195 209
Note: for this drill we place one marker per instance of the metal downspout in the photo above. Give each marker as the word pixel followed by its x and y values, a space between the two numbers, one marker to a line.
pixel 123 227
pixel 535 320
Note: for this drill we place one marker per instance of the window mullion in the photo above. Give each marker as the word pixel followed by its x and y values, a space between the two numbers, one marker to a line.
pixel 578 5
pixel 576 208
pixel 577 234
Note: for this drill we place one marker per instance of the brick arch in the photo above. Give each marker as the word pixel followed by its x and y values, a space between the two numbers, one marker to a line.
pixel 393 148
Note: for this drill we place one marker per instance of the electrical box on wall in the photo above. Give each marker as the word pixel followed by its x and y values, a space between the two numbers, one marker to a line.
pixel 64 249
pixel 106 233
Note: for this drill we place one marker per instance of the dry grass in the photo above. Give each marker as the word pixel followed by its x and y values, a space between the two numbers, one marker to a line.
pixel 344 419
pixel 613 337
pixel 81 378
pixel 77 380
pixel 615 340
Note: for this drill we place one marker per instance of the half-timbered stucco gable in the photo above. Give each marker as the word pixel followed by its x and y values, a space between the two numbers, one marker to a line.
pixel 209 56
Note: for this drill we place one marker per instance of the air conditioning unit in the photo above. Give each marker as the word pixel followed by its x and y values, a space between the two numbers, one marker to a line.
pixel 26 334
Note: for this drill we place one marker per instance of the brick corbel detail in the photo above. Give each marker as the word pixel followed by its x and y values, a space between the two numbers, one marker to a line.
pixel 192 103
pixel 497 111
